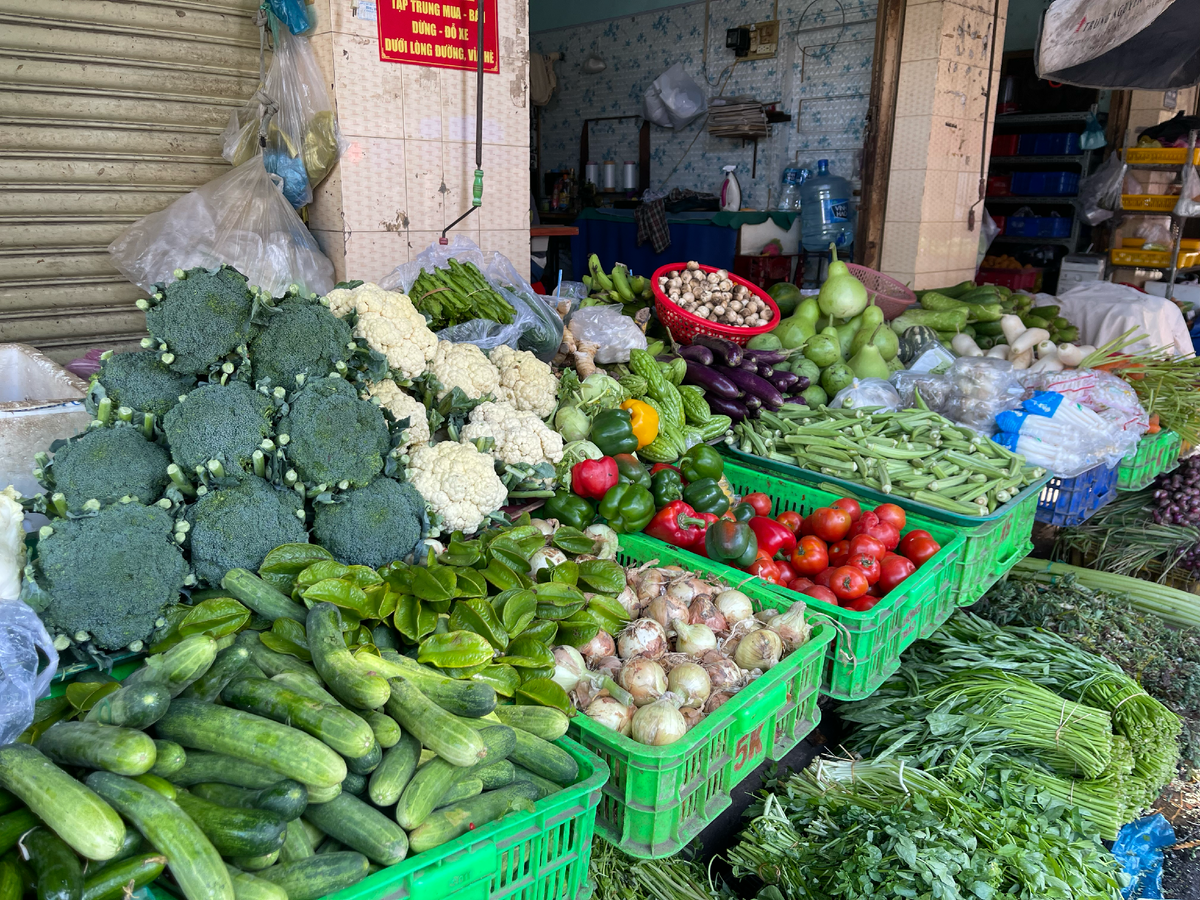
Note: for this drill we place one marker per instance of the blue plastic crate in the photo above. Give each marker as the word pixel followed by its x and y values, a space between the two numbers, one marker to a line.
pixel 1045 184
pixel 1038 226
pixel 1071 501
pixel 1056 143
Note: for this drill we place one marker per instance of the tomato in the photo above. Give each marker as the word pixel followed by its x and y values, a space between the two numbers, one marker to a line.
pixel 920 550
pixel 892 571
pixel 912 536
pixel 862 604
pixel 892 514
pixel 765 569
pixel 865 543
pixel 825 577
pixel 787 572
pixel 867 563
pixel 823 594
pixel 800 584
pixel 838 553
pixel 848 583
pixel 810 556
pixel 760 501
pixel 888 534
pixel 849 505
pixel 830 524
pixel 863 522
pixel 791 520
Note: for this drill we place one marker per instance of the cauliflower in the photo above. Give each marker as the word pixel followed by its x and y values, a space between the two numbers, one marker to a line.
pixel 12 543
pixel 464 366
pixel 389 323
pixel 403 406
pixel 520 437
pixel 525 381
pixel 458 482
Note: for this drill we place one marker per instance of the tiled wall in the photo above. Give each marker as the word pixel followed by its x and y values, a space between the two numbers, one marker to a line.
pixel 409 167
pixel 821 76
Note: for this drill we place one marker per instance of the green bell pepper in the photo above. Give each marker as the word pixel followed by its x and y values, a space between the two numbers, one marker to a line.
pixel 702 461
pixel 743 512
pixel 627 507
pixel 612 432
pixel 705 495
pixel 569 509
pixel 631 471
pixel 666 485
pixel 732 543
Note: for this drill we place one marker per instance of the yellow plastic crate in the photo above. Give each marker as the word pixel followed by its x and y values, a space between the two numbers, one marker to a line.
pixel 1153 258
pixel 1149 202
pixel 1165 156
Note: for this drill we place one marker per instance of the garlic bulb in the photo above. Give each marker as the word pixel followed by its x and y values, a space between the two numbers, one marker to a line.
pixel 658 724
pixel 704 612
pixel 610 713
pixel 694 639
pixel 597 648
pixel 544 559
pixel 734 606
pixel 665 609
pixel 691 683
pixel 642 637
pixel 791 626
pixel 569 667
pixel 644 679
pixel 759 650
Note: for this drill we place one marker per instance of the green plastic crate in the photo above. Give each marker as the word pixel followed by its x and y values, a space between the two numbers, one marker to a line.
pixel 659 798
pixel 992 544
pixel 1154 454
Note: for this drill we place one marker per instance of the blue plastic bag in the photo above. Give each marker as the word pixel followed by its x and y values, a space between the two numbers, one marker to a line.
pixel 1093 135
pixel 292 13
pixel 1139 849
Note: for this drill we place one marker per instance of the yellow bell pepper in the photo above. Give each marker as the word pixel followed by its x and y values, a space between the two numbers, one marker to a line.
pixel 645 421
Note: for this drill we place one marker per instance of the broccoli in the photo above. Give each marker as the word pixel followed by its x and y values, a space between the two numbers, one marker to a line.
pixel 200 318
pixel 235 527
pixel 142 382
pixel 373 525
pixel 302 337
pixel 223 422
pixel 110 576
pixel 106 464
pixel 332 437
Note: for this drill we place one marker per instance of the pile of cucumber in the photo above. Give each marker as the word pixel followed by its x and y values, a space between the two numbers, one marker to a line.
pixel 247 774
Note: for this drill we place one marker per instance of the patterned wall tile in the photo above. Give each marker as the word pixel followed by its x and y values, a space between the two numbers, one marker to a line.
pixel 426 199
pixel 422 102
pixel 372 254
pixel 374 188
pixel 370 93
pixel 513 244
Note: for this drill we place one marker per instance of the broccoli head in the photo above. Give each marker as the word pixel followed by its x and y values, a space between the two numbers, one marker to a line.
pixel 106 464
pixel 200 318
pixel 110 576
pixel 223 422
pixel 373 525
pixel 235 527
pixel 302 337
pixel 142 382
pixel 334 438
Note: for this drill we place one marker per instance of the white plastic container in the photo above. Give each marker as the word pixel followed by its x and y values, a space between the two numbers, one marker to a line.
pixel 731 191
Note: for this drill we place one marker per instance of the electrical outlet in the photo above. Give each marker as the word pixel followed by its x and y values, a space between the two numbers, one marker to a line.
pixel 764 40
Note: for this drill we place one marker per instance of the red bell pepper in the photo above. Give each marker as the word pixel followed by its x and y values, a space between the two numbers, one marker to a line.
pixel 591 478
pixel 773 537
pixel 658 467
pixel 679 525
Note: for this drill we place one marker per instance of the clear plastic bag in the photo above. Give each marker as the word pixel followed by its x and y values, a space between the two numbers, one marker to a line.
pixel 867 392
pixel 987 233
pixel 28 662
pixel 616 334
pixel 1093 135
pixel 1100 193
pixel 1155 231
pixel 241 220
pixel 1110 397
pixel 1188 203
pixel 934 389
pixel 981 387
pixel 674 99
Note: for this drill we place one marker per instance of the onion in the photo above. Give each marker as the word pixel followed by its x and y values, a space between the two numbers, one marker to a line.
pixel 759 650
pixel 607 541
pixel 569 667
pixel 597 648
pixel 704 612
pixel 544 559
pixel 628 598
pixel 734 606
pixel 644 679
pixel 694 639
pixel 691 683
pixel 658 724
pixel 716 701
pixel 610 713
pixel 665 609
pixel 650 585
pixel 609 666
pixel 791 626
pixel 681 592
pixel 642 637
pixel 766 615
pixel 543 526
pixel 723 673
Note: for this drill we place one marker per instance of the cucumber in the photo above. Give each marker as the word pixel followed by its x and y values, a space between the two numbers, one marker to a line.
pixel 169 758
pixel 324 794
pixel 114 881
pixel 133 844
pixel 315 834
pixel 287 799
pixel 178 667
pixel 254 863
pixel 544 785
pixel 13 825
pixel 8 800
pixel 200 767
pixel 251 887
pixel 444 733
pixel 132 706
pixel 449 822
pixel 110 747
pixel 218 729
pixel 431 782
pixel 354 784
pixel 338 728
pixel 541 721
pixel 384 727
pixel 471 699
pixel 225 668
pixel 56 867
pixel 395 771
pixel 155 783
pixel 306 686
pixel 329 845
pixel 12 884
pixel 368 762
pixel 313 878
pixel 497 775
pixel 235 832
pixel 345 678
pixel 76 814
pixel 269 661
pixel 464 790
pixel 296 844
pixel 267 601
pixel 544 759
pixel 361 827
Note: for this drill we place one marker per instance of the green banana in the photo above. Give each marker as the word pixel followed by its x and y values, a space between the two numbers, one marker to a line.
pixel 587 281
pixel 622 283
pixel 600 278
pixel 638 284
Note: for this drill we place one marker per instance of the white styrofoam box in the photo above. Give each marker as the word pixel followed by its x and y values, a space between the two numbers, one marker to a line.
pixel 752 238
pixel 1068 279
pixel 40 402
pixel 1187 293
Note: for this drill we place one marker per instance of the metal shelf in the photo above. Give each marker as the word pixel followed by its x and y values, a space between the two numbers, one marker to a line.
pixel 1062 200
pixel 1012 160
pixel 1040 118
pixel 1022 239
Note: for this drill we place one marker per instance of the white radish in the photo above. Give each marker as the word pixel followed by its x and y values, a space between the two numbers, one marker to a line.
pixel 1028 339
pixel 1047 348
pixel 1021 360
pixel 1070 355
pixel 964 345
pixel 1013 328
pixel 1000 351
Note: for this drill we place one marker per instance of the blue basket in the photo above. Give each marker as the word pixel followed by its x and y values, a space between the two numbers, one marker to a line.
pixel 1045 184
pixel 1071 501
pixel 1038 226
pixel 1058 143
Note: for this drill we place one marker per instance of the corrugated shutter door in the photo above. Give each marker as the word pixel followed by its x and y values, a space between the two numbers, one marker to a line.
pixel 108 111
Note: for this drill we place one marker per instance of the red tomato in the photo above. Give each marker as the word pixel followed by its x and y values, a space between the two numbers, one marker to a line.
pixel 791 520
pixel 805 527
pixel 862 604
pixel 825 577
pixel 892 514
pixel 760 501
pixel 848 583
pixel 830 524
pixel 849 505
pixel 810 556
pixel 863 522
pixel 912 536
pixel 888 534
pixel 823 594
pixel 800 584
pixel 920 550
pixel 892 571
pixel 787 572
pixel 867 563
pixel 865 543
pixel 839 553
pixel 765 569
pixel 891 555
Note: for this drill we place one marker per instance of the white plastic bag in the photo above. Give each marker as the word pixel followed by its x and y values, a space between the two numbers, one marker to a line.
pixel 28 662
pixel 867 392
pixel 1093 135
pixel 1188 203
pixel 1155 231
pixel 616 334
pixel 241 220
pixel 1100 193
pixel 296 83
pixel 981 387
pixel 674 99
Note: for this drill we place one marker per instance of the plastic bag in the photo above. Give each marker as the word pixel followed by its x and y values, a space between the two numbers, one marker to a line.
pixel 1093 135
pixel 1155 231
pixel 987 233
pixel 1100 193
pixel 867 392
pixel 28 662
pixel 674 99
pixel 241 220
pixel 616 334
pixel 293 14
pixel 934 389
pixel 1110 397
pixel 981 387
pixel 1188 203
pixel 1138 849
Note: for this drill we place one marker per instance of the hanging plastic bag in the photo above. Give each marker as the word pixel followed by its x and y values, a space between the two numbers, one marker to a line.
pixel 1155 231
pixel 306 123
pixel 293 14
pixel 1093 135
pixel 241 220
pixel 1100 193
pixel 987 233
pixel 1188 203
pixel 28 662
pixel 674 99
pixel 255 129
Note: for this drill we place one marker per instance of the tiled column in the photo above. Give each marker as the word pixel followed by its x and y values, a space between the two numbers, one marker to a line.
pixel 938 140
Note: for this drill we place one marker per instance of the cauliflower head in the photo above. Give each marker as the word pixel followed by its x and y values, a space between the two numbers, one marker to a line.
pixel 464 366
pixel 458 482
pixel 389 323
pixel 403 406
pixel 525 381
pixel 519 436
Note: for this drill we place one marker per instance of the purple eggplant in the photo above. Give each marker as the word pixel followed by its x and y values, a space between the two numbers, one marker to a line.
pixel 784 381
pixel 725 351
pixel 696 353
pixel 770 357
pixel 754 386
pixel 802 384
pixel 764 371
pixel 722 406
pixel 752 403
pixel 799 400
pixel 713 382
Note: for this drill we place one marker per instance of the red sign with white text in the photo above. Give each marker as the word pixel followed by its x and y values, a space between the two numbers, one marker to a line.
pixel 440 34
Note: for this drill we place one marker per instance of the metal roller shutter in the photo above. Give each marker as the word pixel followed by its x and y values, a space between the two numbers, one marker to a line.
pixel 108 110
